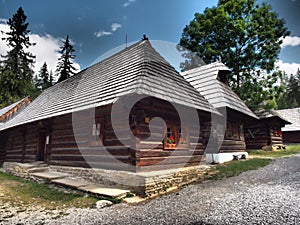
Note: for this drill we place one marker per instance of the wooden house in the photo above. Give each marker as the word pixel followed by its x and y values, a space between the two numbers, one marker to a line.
pixel 291 132
pixel 267 132
pixel 71 124
pixel 211 82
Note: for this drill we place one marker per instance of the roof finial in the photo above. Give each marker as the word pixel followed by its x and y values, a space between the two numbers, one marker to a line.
pixel 220 59
pixel 145 38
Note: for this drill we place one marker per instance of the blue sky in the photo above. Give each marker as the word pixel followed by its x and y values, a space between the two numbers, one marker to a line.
pixel 97 26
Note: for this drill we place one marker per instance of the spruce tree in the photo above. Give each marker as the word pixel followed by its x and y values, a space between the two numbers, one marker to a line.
pixel 65 68
pixel 45 80
pixel 16 72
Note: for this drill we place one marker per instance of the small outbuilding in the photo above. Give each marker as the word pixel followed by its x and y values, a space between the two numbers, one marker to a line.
pixel 291 132
pixel 267 132
pixel 212 82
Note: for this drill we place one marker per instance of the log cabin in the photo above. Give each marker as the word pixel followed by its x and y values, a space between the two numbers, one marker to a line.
pixel 212 82
pixel 267 133
pixel 291 132
pixel 79 122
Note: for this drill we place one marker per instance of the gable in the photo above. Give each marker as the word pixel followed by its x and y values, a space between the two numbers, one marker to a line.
pixel 206 79
pixel 138 69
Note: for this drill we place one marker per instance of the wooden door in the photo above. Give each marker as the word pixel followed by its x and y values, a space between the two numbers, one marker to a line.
pixel 42 150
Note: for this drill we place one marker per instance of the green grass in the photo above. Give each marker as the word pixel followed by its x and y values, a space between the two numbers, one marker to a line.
pixel 234 168
pixel 18 190
pixel 290 150
pixel 261 158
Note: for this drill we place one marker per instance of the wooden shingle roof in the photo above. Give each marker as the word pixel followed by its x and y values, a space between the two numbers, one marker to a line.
pixel 10 111
pixel 292 115
pixel 138 69
pixel 268 114
pixel 204 79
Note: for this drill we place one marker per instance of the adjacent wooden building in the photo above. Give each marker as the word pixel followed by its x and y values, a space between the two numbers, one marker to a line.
pixel 291 132
pixel 74 123
pixel 229 142
pixel 267 133
pixel 9 112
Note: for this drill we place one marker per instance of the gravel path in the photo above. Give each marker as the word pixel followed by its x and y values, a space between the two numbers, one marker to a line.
pixel 270 195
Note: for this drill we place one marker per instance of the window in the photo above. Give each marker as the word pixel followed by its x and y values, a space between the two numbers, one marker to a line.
pixel 175 137
pixel 232 131
pixel 96 138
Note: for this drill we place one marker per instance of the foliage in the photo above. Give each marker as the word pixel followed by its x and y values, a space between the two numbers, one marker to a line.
pixel 290 97
pixel 65 69
pixel 246 36
pixel 16 69
pixel 45 79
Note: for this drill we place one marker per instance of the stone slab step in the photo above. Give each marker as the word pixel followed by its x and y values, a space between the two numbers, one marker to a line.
pixel 71 182
pixel 105 191
pixel 25 166
pixel 49 175
pixel 38 169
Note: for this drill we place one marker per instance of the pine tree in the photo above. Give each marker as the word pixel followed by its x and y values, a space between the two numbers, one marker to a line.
pixel 51 79
pixel 45 79
pixel 290 98
pixel 16 72
pixel 65 68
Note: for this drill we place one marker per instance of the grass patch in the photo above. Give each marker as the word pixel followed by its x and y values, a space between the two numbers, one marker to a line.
pixel 234 168
pixel 290 150
pixel 20 191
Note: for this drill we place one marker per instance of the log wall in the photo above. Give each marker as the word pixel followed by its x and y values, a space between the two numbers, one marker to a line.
pixel 153 154
pixel 257 137
pixel 72 142
pixel 20 143
pixel 2 148
pixel 228 144
pixel 263 134
pixel 291 137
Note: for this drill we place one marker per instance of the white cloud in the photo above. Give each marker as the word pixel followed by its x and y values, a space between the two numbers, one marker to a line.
pixel 126 4
pixel 288 68
pixel 45 50
pixel 290 41
pixel 115 26
pixel 102 33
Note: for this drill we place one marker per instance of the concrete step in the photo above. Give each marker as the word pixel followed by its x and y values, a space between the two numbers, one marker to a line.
pixel 49 175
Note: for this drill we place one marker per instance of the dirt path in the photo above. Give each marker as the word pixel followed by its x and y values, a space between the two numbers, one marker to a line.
pixel 270 195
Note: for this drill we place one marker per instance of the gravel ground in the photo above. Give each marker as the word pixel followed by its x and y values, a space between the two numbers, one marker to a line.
pixel 270 195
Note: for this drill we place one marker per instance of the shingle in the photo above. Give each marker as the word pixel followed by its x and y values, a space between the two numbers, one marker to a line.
pixel 137 69
pixel 13 108
pixel 10 107
pixel 293 116
pixel 204 79
pixel 265 114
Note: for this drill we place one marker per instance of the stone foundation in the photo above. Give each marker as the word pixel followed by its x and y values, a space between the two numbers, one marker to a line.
pixel 144 184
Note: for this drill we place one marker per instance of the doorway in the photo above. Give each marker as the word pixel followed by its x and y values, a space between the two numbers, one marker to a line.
pixel 42 149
